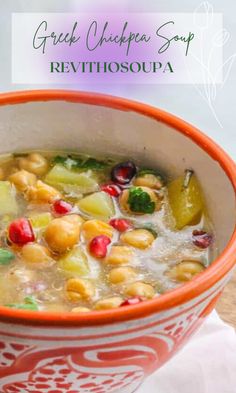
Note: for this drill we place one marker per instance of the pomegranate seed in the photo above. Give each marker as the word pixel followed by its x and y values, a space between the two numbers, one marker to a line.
pixel 111 189
pixel 121 224
pixel 201 239
pixel 98 246
pixel 61 207
pixel 21 232
pixel 131 301
pixel 124 172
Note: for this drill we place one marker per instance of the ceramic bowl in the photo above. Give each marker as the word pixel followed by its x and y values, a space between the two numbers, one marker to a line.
pixel 113 351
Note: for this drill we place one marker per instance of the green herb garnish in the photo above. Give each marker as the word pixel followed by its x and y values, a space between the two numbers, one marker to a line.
pixel 6 256
pixel 67 161
pixel 29 304
pixel 77 163
pixel 140 201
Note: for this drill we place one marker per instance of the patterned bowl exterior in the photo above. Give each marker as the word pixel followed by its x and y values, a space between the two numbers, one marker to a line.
pixel 113 358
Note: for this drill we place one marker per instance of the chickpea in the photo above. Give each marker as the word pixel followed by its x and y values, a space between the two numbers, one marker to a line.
pixel 34 253
pixel 148 180
pixel 80 309
pixel 42 192
pixel 120 275
pixel 106 304
pixel 125 196
pixel 139 238
pixel 77 289
pixel 22 180
pixel 34 163
pixel 185 270
pixel 63 233
pixel 119 255
pixel 13 170
pixel 140 289
pixel 93 228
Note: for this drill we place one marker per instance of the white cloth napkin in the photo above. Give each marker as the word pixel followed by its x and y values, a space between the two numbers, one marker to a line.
pixel 207 364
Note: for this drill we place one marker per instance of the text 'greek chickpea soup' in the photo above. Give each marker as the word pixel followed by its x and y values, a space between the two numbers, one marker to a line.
pixel 80 233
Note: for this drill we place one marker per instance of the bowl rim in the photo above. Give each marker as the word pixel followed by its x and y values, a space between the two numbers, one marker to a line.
pixel 173 298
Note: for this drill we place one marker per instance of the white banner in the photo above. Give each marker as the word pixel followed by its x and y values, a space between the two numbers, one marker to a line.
pixel 117 48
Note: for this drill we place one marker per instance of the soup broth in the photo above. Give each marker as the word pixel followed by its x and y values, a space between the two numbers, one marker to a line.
pixel 80 233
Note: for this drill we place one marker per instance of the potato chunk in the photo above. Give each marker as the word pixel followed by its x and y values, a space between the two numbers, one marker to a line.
pixel 8 204
pixel 75 262
pixel 40 221
pixel 186 202
pixel 98 205
pixel 60 177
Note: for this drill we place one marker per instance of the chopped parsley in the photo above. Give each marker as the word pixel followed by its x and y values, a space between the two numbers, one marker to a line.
pixel 140 201
pixel 78 163
pixel 29 304
pixel 92 163
pixel 6 256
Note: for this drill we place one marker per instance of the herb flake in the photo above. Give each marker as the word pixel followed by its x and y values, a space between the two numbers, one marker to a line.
pixel 6 256
pixel 77 163
pixel 29 304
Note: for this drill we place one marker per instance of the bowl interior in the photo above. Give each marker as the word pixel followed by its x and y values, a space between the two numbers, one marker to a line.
pixel 93 128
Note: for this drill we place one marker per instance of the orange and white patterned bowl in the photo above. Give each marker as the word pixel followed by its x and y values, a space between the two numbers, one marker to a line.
pixel 113 351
